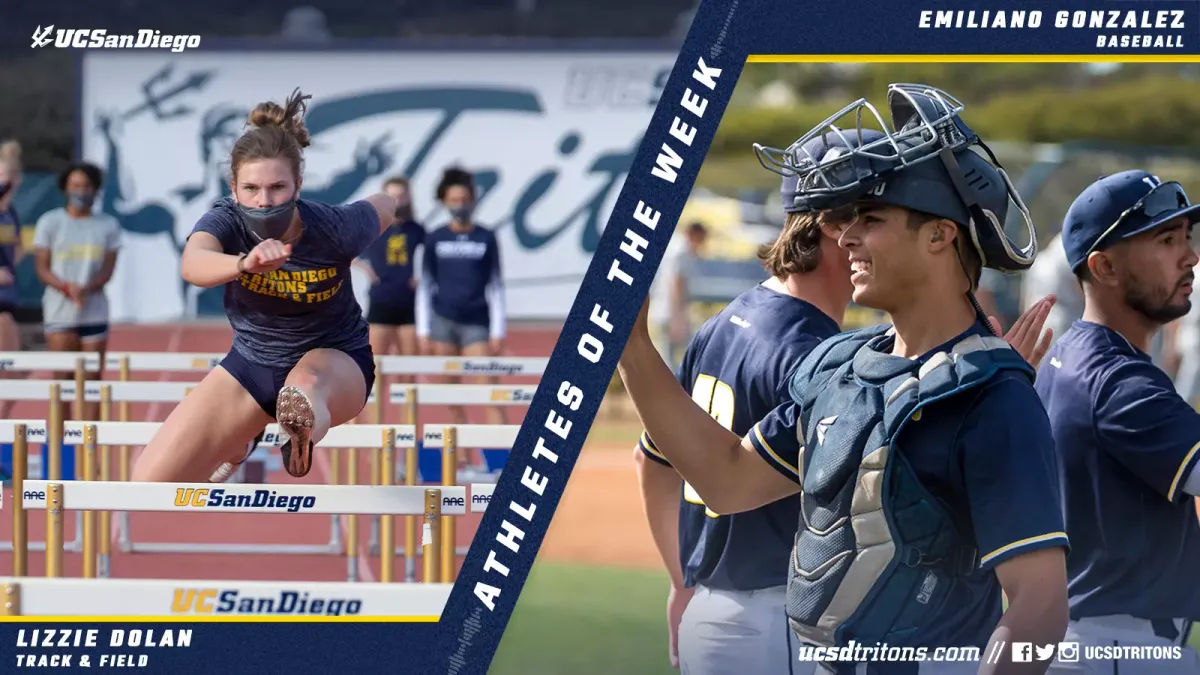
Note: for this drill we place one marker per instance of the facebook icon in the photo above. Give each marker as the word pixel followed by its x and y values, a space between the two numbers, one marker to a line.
pixel 1022 652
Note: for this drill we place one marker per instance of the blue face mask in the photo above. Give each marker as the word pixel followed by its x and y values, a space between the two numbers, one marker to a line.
pixel 81 200
pixel 462 213
pixel 271 222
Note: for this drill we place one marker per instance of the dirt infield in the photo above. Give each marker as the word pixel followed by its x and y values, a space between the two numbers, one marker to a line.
pixel 599 520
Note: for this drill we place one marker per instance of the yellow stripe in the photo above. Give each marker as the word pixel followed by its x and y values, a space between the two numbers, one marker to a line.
pixel 771 451
pixel 1024 542
pixel 1179 474
pixel 648 446
pixel 973 58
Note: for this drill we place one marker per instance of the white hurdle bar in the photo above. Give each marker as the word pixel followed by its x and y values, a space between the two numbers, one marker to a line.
pixel 460 394
pixel 202 599
pixel 462 365
pixel 54 497
pixel 385 437
pixel 351 436
pixel 135 392
pixel 201 362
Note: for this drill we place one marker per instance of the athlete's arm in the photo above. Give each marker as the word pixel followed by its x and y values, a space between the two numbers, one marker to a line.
pixel 1036 586
pixel 109 265
pixel 1011 476
pixel 385 209
pixel 204 262
pixel 720 466
pixel 101 279
pixel 661 488
pixel 498 313
pixel 1144 424
pixel 424 299
pixel 43 242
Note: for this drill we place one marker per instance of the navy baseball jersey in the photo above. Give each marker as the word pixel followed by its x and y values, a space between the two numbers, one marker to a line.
pixel 459 267
pixel 988 457
pixel 10 238
pixel 279 316
pixel 737 368
pixel 392 258
pixel 1127 443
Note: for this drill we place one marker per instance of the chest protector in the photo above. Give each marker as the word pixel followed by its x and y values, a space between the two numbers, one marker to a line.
pixel 876 554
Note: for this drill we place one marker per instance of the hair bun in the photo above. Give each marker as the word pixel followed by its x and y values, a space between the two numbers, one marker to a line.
pixel 289 116
pixel 267 114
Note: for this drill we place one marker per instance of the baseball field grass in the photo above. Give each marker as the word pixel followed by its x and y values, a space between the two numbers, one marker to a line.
pixel 584 620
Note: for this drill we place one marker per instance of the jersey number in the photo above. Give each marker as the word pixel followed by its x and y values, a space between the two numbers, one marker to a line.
pixel 716 398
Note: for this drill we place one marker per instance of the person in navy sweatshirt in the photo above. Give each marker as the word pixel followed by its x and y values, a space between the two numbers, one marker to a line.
pixel 391 263
pixel 460 293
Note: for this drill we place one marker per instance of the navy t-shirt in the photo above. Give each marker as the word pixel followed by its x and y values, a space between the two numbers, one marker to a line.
pixel 988 456
pixel 279 316
pixel 459 268
pixel 737 368
pixel 392 258
pixel 1127 443
pixel 10 238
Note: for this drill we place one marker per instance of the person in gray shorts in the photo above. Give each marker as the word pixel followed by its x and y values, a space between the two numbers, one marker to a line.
pixel 75 254
pixel 460 294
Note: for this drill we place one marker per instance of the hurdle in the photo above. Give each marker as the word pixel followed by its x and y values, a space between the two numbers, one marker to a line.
pixel 387 438
pixel 124 393
pixel 409 396
pixel 449 438
pixel 56 497
pixel 406 395
pixel 200 600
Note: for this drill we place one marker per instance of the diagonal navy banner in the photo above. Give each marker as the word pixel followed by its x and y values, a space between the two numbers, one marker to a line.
pixel 594 334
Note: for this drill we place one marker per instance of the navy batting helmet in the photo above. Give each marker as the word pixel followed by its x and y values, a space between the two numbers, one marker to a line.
pixel 830 167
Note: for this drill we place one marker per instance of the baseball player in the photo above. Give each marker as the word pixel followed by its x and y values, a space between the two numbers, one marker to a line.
pixel 921 454
pixel 728 571
pixel 1127 441
pixel 726 604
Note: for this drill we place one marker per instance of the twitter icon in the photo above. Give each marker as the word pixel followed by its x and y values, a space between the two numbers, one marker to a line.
pixel 1045 653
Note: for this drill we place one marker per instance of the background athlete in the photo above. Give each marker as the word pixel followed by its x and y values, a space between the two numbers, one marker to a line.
pixel 391 263
pixel 11 253
pixel 725 608
pixel 300 350
pixel 1128 442
pixel 75 253
pixel 908 245
pixel 460 294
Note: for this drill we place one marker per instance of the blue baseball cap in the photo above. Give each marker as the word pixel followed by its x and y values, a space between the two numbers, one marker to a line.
pixel 1118 207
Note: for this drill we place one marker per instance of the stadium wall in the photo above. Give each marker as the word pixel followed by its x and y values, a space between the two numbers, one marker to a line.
pixel 550 133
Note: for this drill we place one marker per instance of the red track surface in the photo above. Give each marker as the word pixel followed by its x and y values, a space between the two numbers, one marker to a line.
pixel 243 528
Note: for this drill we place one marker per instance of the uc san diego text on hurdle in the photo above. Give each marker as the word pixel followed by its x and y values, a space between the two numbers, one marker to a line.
pixel 591 345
